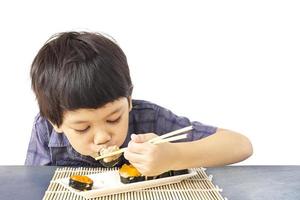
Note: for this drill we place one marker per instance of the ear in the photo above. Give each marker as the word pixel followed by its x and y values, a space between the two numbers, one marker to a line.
pixel 129 103
pixel 56 128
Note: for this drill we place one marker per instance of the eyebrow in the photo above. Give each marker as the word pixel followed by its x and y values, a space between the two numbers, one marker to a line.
pixel 82 121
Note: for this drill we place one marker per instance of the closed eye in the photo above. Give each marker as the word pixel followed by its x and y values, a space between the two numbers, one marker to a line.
pixel 83 130
pixel 114 121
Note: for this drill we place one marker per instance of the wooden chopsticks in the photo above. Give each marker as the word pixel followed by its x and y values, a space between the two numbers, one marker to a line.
pixel 157 140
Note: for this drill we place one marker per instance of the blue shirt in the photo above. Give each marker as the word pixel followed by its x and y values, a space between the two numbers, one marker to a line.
pixel 47 147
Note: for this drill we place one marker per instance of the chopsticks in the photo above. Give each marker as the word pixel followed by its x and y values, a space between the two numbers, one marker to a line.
pixel 157 140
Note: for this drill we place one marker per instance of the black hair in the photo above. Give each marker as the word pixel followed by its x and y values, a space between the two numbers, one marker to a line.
pixel 78 70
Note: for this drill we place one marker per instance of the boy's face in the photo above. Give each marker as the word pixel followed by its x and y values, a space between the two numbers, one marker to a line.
pixel 88 130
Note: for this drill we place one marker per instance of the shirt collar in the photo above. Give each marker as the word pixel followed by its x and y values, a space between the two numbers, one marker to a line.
pixel 58 140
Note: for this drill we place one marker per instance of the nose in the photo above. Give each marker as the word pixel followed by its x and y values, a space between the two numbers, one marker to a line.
pixel 101 137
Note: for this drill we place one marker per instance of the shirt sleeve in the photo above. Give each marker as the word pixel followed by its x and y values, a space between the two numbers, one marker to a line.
pixel 166 121
pixel 38 152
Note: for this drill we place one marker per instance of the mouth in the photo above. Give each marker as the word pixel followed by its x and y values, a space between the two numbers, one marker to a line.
pixel 107 148
pixel 112 160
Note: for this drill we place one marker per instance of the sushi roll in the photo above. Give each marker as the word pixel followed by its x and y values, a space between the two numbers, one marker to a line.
pixel 163 175
pixel 168 174
pixel 180 172
pixel 81 183
pixel 129 174
pixel 112 160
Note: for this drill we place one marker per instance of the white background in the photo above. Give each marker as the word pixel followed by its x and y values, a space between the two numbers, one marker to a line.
pixel 232 64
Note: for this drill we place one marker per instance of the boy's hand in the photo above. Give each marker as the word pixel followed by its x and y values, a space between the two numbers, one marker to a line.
pixel 149 159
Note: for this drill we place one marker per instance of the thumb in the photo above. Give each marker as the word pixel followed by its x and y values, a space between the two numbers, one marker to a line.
pixel 142 137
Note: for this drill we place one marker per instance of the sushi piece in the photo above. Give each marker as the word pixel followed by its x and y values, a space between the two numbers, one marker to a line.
pixel 112 160
pixel 163 175
pixel 168 174
pixel 81 183
pixel 180 172
pixel 129 174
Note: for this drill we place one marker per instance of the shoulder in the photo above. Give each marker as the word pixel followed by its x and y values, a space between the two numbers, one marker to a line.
pixel 147 106
pixel 45 132
pixel 143 116
pixel 42 129
pixel 41 124
pixel 144 105
pixel 146 116
pixel 164 120
pixel 146 109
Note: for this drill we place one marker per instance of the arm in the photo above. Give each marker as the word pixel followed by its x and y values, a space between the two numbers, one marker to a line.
pixel 205 146
pixel 223 147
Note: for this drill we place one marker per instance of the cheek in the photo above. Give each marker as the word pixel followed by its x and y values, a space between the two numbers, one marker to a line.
pixel 120 131
pixel 79 142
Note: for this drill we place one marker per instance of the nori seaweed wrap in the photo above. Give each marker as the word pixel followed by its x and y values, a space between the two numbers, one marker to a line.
pixel 81 183
pixel 163 175
pixel 111 161
pixel 129 174
pixel 179 172
pixel 168 174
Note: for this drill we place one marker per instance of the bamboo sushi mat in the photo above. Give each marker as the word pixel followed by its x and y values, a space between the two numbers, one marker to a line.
pixel 196 187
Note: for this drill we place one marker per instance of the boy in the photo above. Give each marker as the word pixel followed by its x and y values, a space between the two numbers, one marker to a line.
pixel 83 87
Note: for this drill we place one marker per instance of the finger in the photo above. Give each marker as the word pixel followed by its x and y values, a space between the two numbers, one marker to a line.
pixel 144 170
pixel 133 157
pixel 142 137
pixel 139 148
